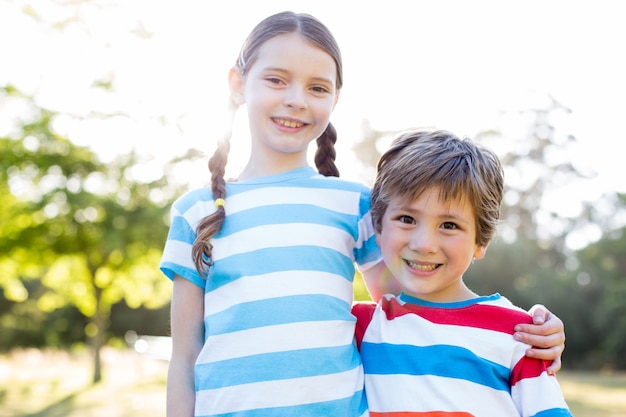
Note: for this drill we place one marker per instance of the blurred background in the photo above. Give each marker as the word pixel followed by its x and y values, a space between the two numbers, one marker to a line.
pixel 109 110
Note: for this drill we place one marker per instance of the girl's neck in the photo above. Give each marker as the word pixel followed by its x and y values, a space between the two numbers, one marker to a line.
pixel 260 167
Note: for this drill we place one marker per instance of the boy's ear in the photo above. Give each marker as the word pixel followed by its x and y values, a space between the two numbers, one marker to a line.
pixel 236 84
pixel 480 252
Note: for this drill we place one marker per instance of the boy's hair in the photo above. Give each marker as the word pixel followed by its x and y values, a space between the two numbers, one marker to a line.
pixel 281 23
pixel 462 169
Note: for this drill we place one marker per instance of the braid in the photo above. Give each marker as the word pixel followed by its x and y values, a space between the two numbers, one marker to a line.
pixel 325 154
pixel 202 248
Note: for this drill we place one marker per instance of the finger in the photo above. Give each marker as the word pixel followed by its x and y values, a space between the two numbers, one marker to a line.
pixel 536 307
pixel 553 326
pixel 551 354
pixel 555 340
pixel 540 315
pixel 533 329
pixel 554 367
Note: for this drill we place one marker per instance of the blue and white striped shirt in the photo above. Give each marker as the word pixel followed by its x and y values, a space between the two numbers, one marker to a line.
pixel 278 327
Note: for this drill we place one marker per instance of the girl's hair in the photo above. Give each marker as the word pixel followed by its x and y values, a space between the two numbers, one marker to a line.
pixel 281 23
pixel 460 168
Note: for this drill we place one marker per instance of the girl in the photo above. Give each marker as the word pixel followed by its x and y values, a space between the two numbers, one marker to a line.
pixel 263 265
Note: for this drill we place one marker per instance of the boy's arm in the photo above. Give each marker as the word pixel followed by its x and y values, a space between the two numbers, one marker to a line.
pixel 546 335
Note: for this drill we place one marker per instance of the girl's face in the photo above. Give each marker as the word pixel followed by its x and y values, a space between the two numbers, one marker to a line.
pixel 428 244
pixel 290 92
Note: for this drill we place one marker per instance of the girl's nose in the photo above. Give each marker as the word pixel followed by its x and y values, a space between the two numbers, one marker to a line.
pixel 295 98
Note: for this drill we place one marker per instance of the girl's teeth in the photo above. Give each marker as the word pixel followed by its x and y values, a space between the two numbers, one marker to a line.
pixel 288 123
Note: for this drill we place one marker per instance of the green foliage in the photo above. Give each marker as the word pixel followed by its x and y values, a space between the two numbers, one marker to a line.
pixel 25 324
pixel 76 223
pixel 602 270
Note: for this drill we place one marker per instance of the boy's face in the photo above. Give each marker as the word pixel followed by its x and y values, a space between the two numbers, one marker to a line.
pixel 428 244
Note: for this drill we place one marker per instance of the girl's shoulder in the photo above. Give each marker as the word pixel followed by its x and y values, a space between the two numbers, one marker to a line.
pixel 339 183
pixel 193 198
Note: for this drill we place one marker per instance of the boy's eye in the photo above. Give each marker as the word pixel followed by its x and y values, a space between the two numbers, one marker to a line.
pixel 449 226
pixel 406 219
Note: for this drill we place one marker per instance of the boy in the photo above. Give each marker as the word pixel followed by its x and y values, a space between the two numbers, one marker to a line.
pixel 439 349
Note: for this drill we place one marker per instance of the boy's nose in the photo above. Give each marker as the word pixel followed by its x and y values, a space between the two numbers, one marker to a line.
pixel 423 241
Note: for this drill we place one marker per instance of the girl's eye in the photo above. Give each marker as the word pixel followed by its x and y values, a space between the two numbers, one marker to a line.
pixel 406 219
pixel 320 89
pixel 274 80
pixel 449 226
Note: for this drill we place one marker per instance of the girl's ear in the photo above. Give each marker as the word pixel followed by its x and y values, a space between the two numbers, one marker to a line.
pixel 236 83
pixel 336 99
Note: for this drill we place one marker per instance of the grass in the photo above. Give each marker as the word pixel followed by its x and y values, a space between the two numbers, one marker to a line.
pixel 57 384
pixel 594 394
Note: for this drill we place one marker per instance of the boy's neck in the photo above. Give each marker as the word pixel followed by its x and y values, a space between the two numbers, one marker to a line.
pixel 456 295
pixel 457 303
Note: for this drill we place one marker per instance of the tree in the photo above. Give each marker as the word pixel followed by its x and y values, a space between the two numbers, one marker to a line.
pixel 602 268
pixel 537 165
pixel 90 231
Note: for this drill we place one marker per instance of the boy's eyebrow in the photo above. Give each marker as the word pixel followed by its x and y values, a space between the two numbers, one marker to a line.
pixel 456 218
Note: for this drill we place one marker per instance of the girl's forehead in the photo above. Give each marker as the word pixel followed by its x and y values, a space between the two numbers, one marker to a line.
pixel 292 41
pixel 294 47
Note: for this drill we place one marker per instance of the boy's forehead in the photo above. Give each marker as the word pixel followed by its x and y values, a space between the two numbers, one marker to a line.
pixel 444 196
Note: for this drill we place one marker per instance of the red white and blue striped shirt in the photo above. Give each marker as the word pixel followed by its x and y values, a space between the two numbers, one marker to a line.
pixel 452 359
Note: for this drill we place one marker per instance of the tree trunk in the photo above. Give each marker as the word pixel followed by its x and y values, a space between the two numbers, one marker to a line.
pixel 98 338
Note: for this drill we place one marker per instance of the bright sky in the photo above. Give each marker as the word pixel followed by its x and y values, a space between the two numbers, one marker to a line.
pixel 452 64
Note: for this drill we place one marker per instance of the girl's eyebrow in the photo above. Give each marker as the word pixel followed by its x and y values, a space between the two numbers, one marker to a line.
pixel 277 69
pixel 284 71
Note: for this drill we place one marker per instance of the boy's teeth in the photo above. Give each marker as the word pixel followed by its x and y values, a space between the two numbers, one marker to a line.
pixel 431 267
